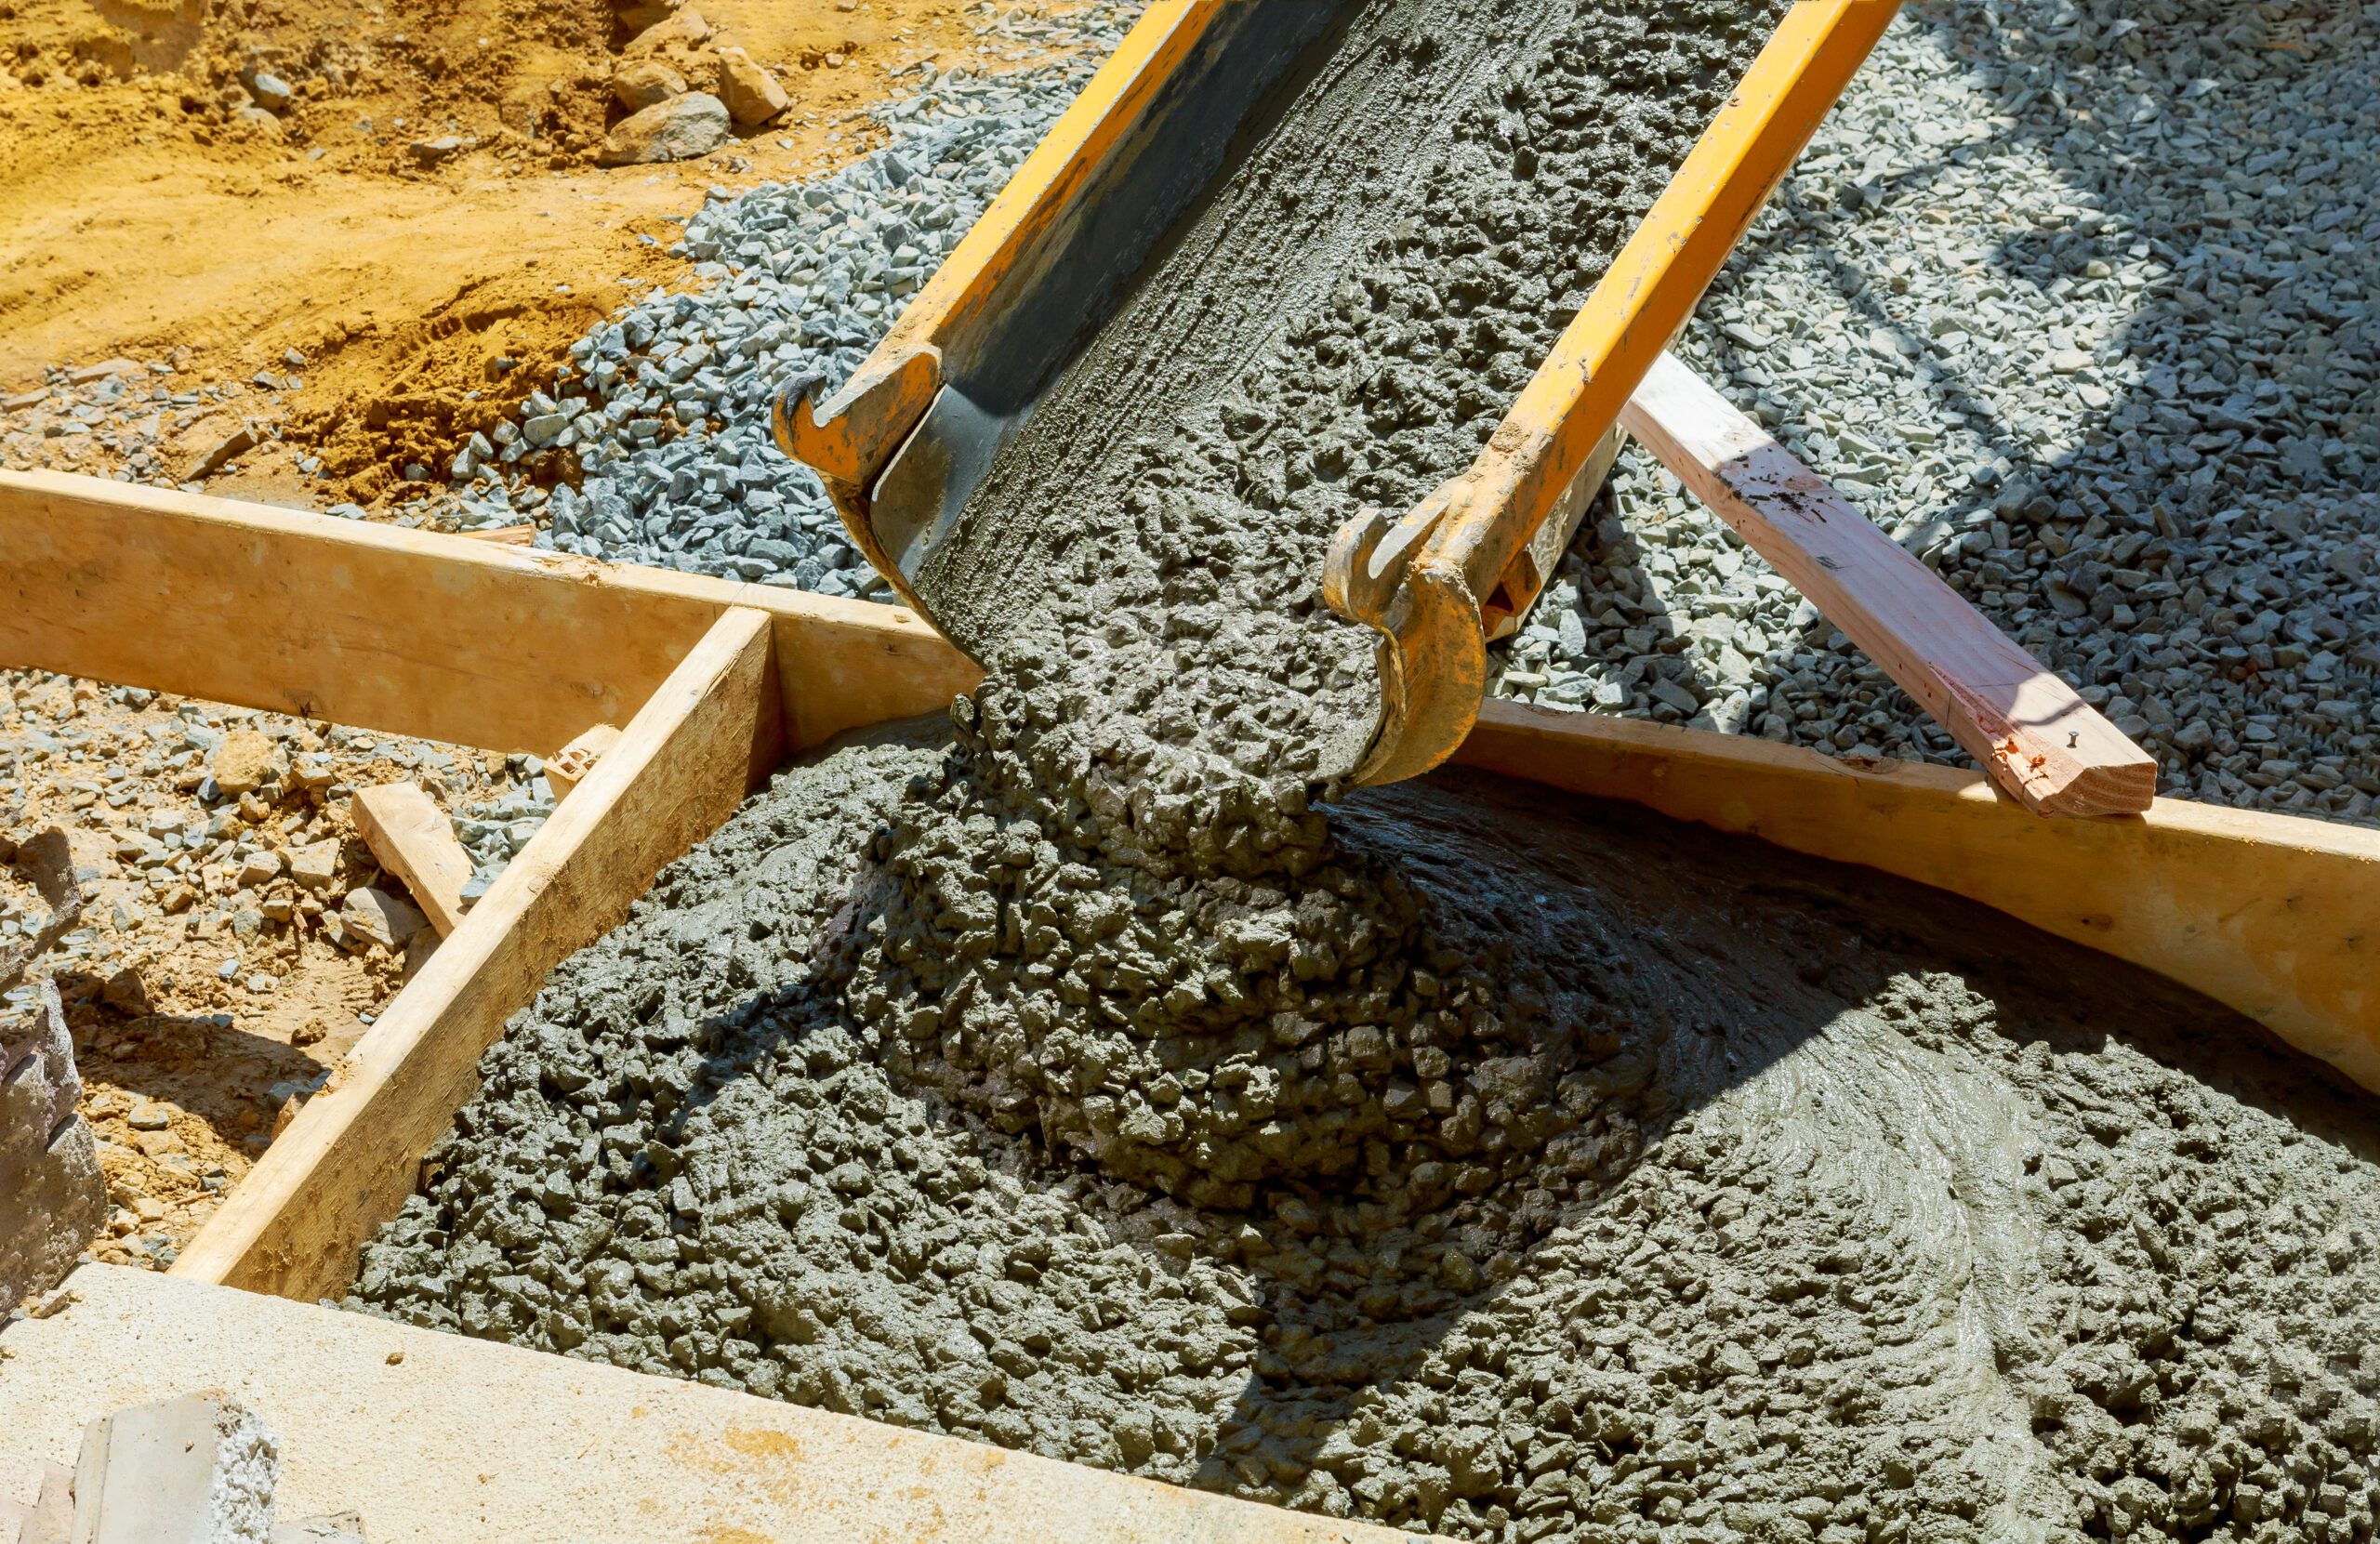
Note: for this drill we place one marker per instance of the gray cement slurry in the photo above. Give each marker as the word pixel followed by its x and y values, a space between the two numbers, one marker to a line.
pixel 1855 1212
pixel 1166 696
pixel 1067 1078
pixel 1342 323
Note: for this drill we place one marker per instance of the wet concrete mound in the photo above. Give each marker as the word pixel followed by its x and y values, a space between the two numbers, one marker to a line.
pixel 1863 1209
pixel 1203 1031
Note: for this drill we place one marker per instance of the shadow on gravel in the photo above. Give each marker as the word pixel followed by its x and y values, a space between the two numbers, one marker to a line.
pixel 2173 505
pixel 186 1060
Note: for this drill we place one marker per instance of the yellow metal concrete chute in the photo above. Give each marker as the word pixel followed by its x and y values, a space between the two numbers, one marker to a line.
pixel 915 430
pixel 903 442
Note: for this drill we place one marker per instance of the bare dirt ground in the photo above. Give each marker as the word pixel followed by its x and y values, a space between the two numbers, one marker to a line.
pixel 309 269
pixel 225 960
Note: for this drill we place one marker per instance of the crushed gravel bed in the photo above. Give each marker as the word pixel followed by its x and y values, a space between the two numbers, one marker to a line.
pixel 2078 303
pixel 2075 300
pixel 238 936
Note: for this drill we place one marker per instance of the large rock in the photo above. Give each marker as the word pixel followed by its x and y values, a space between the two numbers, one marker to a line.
pixel 439 151
pixel 635 15
pixel 380 916
pixel 314 867
pixel 752 95
pixel 272 92
pixel 53 1200
pixel 678 129
pixel 648 82
pixel 246 762
pixel 680 29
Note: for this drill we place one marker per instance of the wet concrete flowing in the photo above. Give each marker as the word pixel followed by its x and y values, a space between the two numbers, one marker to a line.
pixel 1085 1074
pixel 1855 1211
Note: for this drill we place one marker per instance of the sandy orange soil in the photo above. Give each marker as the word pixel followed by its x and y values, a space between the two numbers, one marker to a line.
pixel 306 268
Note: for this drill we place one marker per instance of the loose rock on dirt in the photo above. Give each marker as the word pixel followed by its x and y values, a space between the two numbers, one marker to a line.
pixel 677 130
pixel 234 944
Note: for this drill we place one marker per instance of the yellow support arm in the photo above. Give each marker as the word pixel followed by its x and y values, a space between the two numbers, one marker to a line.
pixel 1434 582
pixel 850 437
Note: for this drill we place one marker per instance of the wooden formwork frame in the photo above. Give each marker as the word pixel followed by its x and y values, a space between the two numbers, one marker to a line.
pixel 506 648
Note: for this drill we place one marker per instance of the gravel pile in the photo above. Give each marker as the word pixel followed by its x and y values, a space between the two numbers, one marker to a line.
pixel 2078 302
pixel 146 421
pixel 668 406
pixel 494 831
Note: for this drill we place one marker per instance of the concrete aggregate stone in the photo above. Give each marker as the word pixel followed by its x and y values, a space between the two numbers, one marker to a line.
pixel 1867 1211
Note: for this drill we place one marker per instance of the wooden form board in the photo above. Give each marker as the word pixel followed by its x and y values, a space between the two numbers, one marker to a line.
pixel 504 648
pixel 2041 741
pixel 2271 915
pixel 439 1439
pixel 352 1155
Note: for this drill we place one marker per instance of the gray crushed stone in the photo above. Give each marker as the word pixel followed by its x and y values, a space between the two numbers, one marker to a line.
pixel 667 405
pixel 2157 477
pixel 2078 302
pixel 494 831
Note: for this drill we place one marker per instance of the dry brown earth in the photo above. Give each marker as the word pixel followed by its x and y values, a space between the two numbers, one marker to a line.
pixel 148 210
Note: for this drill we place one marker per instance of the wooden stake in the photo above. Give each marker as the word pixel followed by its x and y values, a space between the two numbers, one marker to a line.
pixel 413 841
pixel 568 767
pixel 2045 745
pixel 351 1158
